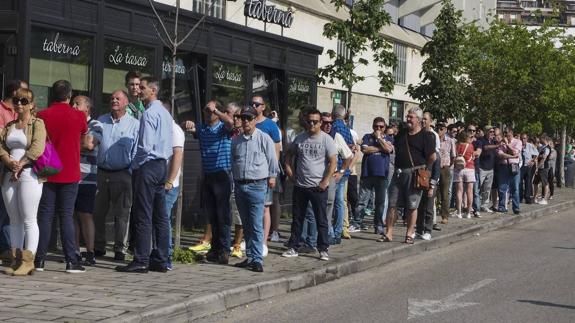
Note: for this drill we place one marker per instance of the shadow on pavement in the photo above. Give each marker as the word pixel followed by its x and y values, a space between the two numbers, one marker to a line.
pixel 541 303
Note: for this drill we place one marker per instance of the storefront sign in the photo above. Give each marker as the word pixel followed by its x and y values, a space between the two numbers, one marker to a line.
pixel 128 57
pixel 299 86
pixel 167 68
pixel 119 57
pixel 258 9
pixel 226 75
pixel 56 46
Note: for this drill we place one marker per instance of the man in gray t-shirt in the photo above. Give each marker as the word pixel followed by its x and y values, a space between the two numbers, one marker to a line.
pixel 314 155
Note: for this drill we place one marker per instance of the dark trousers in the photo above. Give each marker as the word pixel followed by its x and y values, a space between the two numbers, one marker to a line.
pixel 368 185
pixel 149 214
pixel 551 181
pixel 57 199
pixel 526 184
pixel 4 227
pixel 425 213
pixel 216 190
pixel 113 200
pixel 352 196
pixel 318 199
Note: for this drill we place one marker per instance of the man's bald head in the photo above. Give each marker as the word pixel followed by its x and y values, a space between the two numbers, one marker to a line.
pixel 119 101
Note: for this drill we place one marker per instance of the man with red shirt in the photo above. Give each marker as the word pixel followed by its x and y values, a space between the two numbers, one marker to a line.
pixel 66 128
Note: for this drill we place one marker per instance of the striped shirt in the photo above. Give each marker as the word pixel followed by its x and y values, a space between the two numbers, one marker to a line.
pixel 89 159
pixel 216 148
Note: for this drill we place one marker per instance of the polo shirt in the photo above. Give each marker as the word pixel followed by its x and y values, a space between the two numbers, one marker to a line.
pixel 215 147
pixel 65 127
pixel 6 114
pixel 376 164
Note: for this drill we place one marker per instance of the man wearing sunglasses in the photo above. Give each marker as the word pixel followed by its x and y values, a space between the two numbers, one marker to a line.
pixel 254 167
pixel 344 153
pixel 376 148
pixel 269 127
pixel 315 155
pixel 486 166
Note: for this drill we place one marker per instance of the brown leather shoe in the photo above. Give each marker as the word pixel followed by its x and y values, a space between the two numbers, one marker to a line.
pixel 27 265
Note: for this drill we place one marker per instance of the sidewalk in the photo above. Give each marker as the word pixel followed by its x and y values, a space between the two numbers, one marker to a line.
pixel 194 291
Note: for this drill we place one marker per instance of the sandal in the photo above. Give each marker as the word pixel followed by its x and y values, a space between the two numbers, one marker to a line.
pixel 408 240
pixel 384 238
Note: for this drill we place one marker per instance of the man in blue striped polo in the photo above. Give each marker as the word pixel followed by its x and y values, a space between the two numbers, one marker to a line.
pixel 215 146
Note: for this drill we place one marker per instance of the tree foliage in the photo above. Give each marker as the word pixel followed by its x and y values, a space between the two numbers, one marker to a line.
pixel 359 33
pixel 441 90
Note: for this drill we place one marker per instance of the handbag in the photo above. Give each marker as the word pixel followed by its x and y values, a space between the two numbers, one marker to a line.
pixel 49 163
pixel 514 169
pixel 422 175
pixel 459 161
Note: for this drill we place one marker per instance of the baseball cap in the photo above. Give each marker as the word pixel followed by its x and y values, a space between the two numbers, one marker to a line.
pixel 249 111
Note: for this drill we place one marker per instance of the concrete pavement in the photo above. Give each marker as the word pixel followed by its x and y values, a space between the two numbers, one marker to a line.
pixel 196 291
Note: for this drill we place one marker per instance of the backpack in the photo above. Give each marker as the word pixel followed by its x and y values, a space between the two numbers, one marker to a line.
pixel 459 161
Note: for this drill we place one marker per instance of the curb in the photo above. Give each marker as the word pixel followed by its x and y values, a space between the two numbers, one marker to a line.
pixel 197 307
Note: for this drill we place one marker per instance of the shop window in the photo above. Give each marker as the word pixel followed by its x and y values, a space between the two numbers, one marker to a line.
pixel 190 87
pixel 229 82
pixel 217 10
pixel 269 84
pixel 399 72
pixel 396 111
pixel 299 96
pixel 119 59
pixel 59 56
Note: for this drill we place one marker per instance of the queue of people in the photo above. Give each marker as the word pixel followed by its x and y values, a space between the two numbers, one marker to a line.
pixel 126 165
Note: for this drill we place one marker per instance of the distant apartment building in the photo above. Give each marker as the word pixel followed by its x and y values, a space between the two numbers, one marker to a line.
pixel 536 12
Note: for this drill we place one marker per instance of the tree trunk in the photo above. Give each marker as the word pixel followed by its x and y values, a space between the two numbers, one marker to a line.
pixel 562 156
pixel 178 222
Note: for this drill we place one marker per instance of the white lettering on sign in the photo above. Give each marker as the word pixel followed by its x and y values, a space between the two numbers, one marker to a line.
pixel 298 86
pixel 258 9
pixel 167 68
pixel 60 47
pixel 129 59
pixel 227 75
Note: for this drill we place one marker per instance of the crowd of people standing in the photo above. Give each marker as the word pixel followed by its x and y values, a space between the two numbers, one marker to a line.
pixel 126 164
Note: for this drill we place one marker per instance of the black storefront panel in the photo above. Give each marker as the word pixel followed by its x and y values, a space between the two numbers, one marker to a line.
pixel 56 55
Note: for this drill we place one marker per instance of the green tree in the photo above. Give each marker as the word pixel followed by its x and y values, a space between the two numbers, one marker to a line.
pixel 360 33
pixel 441 90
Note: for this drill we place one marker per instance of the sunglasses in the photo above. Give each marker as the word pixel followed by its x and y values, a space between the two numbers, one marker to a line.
pixel 257 104
pixel 313 122
pixel 247 118
pixel 22 101
pixel 327 123
pixel 378 127
pixel 471 130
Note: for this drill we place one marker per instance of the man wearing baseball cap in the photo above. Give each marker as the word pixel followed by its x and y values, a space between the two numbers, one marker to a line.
pixel 254 169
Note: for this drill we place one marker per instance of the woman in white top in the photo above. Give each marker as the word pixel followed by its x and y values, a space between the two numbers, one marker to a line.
pixel 22 141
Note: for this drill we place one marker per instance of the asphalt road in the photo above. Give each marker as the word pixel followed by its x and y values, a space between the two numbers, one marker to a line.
pixel 522 274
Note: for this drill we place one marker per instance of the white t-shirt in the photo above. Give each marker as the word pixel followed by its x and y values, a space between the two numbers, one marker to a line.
pixel 179 138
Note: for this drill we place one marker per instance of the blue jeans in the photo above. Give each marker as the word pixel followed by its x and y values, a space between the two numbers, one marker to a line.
pixel 477 192
pixel 250 199
pixel 4 227
pixel 309 228
pixel 148 218
pixel 171 198
pixel 57 199
pixel 367 185
pixel 508 182
pixel 338 209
